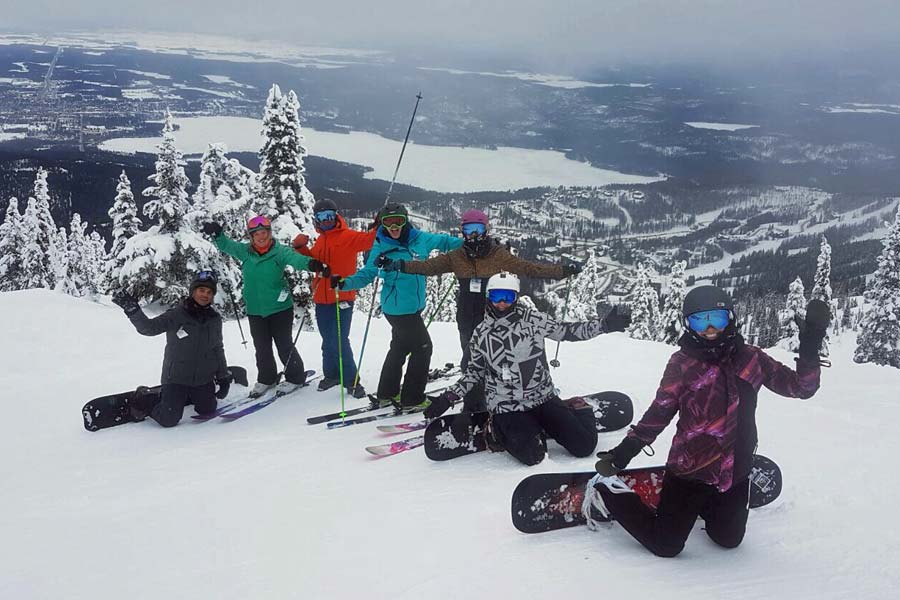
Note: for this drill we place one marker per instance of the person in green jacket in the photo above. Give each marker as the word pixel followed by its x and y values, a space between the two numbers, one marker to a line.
pixel 267 295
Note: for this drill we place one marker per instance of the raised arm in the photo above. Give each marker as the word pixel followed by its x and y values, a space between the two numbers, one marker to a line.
pixel 231 248
pixel 512 263
pixel 784 381
pixel 436 265
pixel 155 326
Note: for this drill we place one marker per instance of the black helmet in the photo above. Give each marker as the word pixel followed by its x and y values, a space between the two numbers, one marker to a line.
pixel 393 208
pixel 324 204
pixel 205 279
pixel 706 297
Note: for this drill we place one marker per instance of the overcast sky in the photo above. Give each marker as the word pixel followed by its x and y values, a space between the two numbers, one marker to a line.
pixel 575 32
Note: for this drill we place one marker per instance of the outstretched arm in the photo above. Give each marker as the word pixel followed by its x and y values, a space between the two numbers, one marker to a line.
pixel 435 265
pixel 572 332
pixel 365 275
pixel 231 248
pixel 155 326
pixel 519 266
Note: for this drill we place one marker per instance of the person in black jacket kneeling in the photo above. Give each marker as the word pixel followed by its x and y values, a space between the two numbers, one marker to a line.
pixel 194 367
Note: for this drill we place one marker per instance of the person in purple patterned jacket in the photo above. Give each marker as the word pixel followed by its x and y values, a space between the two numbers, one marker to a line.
pixel 712 383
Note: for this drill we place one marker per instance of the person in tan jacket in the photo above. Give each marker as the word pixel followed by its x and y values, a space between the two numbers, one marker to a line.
pixel 480 258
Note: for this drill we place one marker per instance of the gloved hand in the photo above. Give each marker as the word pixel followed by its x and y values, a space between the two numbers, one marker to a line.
pixel 212 229
pixel 461 426
pixel 813 330
pixel 224 385
pixel 571 269
pixel 337 282
pixel 613 461
pixel 376 221
pixel 616 320
pixel 126 302
pixel 317 266
pixel 385 263
pixel 440 405
pixel 301 240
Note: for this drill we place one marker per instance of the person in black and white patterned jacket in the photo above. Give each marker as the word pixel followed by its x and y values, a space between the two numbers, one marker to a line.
pixel 508 356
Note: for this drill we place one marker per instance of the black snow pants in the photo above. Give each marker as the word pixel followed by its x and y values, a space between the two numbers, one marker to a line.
pixel 174 397
pixel 409 337
pixel 469 313
pixel 681 501
pixel 523 434
pixel 276 328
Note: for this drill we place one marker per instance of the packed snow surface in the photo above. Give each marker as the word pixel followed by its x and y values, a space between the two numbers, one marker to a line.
pixel 270 507
pixel 719 126
pixel 440 168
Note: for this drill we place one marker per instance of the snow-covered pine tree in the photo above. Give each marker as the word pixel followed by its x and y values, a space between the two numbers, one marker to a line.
pixel 440 304
pixel 644 304
pixel 125 225
pixel 96 260
pixel 12 277
pixel 365 296
pixel 584 295
pixel 283 195
pixel 794 306
pixel 42 259
pixel 158 264
pixel 879 331
pixel 75 281
pixel 670 325
pixel 822 286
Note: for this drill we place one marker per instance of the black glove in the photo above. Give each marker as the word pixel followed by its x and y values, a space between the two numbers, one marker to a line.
pixel 613 461
pixel 440 405
pixel 337 282
pixel 212 229
pixel 461 426
pixel 571 269
pixel 224 385
pixel 616 320
pixel 126 302
pixel 385 263
pixel 374 224
pixel 317 266
pixel 813 330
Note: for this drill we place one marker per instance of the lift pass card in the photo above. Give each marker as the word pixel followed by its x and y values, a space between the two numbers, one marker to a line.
pixel 181 333
pixel 475 285
pixel 282 296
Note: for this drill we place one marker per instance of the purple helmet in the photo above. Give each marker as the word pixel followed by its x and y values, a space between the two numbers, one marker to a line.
pixel 473 215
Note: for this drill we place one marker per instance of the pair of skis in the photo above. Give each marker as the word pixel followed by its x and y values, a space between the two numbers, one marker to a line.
pixel 242 407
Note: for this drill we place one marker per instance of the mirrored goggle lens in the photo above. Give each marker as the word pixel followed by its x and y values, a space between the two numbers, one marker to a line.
pixel 496 296
pixel 473 228
pixel 393 221
pixel 259 221
pixel 699 321
pixel 206 276
pixel 326 215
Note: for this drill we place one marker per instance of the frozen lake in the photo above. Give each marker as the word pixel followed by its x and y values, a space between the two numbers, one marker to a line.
pixel 439 168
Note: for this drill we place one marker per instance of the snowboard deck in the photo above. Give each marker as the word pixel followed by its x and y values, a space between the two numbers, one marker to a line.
pixel 551 501
pixel 612 411
pixel 113 410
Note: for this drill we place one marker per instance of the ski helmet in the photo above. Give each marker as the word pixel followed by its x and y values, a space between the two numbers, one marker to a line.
pixel 324 204
pixel 205 279
pixel 477 243
pixel 502 284
pixel 393 208
pixel 504 281
pixel 259 223
pixel 473 215
pixel 707 297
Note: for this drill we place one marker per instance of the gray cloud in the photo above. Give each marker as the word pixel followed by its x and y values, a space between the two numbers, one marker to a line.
pixel 574 32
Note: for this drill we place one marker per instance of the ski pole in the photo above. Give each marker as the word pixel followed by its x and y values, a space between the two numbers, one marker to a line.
pixel 403 149
pixel 296 337
pixel 555 363
pixel 236 316
pixel 362 350
pixel 337 311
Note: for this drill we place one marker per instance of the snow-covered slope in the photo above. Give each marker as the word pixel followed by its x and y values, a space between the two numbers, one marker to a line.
pixel 269 507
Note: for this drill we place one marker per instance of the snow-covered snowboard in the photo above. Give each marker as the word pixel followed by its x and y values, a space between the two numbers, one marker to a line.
pixel 553 500
pixel 110 411
pixel 612 411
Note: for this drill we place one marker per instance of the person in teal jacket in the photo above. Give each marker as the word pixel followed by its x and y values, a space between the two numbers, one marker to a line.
pixel 402 302
pixel 267 295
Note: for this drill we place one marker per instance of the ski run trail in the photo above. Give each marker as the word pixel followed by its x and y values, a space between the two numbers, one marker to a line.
pixel 270 507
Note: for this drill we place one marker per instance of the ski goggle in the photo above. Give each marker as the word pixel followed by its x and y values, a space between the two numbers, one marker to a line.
pixel 699 321
pixel 206 276
pixel 393 221
pixel 497 295
pixel 473 229
pixel 257 223
pixel 326 215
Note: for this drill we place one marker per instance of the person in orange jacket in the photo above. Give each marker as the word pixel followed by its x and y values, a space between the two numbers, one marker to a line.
pixel 337 246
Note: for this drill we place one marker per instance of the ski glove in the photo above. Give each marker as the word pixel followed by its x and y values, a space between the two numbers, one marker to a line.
pixel 385 263
pixel 224 385
pixel 301 240
pixel 317 266
pixel 212 229
pixel 461 427
pixel 813 330
pixel 337 282
pixel 613 461
pixel 440 405
pixel 616 320
pixel 571 269
pixel 126 302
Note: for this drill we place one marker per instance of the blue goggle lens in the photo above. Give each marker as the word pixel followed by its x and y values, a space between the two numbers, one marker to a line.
pixel 206 276
pixel 326 215
pixel 473 228
pixel 699 321
pixel 508 296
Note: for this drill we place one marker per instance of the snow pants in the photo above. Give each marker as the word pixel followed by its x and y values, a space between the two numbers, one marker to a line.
pixel 523 434
pixel 276 328
pixel 474 400
pixel 174 397
pixel 681 501
pixel 326 319
pixel 409 337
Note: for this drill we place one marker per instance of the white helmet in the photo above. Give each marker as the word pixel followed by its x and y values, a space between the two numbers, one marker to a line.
pixel 503 281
